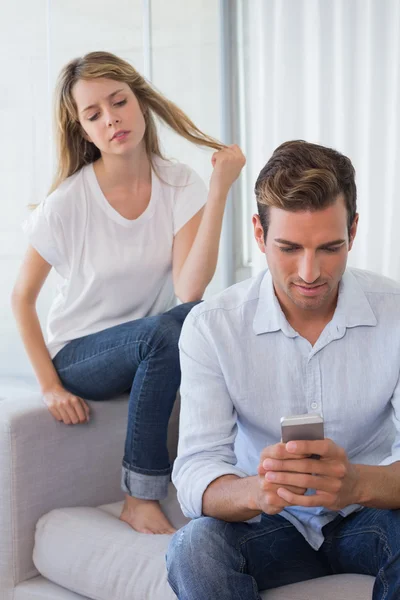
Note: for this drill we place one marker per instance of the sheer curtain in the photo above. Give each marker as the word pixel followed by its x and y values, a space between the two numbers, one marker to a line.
pixel 327 71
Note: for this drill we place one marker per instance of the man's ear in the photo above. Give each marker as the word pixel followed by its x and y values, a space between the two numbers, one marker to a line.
pixel 258 232
pixel 353 231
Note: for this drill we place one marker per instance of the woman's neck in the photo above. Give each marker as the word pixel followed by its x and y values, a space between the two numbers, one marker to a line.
pixel 128 171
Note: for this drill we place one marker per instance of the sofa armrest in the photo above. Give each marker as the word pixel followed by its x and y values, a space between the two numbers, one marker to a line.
pixel 45 464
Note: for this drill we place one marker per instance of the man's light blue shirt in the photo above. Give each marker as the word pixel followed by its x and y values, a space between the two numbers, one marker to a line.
pixel 244 367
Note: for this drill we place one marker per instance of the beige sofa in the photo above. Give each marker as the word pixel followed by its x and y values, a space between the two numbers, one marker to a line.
pixel 53 477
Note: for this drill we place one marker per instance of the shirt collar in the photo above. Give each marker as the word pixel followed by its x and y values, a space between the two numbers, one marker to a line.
pixel 353 308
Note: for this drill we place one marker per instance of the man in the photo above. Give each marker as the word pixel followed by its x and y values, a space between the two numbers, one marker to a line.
pixel 306 336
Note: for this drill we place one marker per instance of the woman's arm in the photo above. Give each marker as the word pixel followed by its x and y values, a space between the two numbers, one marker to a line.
pixel 33 273
pixel 195 250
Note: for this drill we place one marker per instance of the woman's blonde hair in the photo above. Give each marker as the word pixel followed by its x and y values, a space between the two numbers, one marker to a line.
pixel 74 151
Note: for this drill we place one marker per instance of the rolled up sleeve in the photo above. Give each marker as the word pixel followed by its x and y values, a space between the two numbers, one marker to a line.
pixel 208 419
pixel 395 400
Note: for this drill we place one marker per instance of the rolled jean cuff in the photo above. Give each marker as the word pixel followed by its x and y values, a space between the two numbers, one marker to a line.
pixel 145 487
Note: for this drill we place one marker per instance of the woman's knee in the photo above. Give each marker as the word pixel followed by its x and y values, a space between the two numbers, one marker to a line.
pixel 181 311
pixel 164 332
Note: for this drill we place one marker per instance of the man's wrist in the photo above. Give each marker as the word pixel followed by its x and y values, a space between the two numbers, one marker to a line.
pixel 363 490
pixel 253 491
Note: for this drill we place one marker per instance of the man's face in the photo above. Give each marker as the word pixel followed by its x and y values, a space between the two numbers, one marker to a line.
pixel 307 253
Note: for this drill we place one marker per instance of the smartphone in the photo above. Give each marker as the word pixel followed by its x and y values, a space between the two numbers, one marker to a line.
pixel 302 427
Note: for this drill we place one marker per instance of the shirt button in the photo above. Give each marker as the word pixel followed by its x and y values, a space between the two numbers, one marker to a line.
pixel 314 405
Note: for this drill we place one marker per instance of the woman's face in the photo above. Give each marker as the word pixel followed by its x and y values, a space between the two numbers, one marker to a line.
pixel 110 115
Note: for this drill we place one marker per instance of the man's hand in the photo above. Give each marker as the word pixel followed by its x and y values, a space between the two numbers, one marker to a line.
pixel 267 498
pixel 333 477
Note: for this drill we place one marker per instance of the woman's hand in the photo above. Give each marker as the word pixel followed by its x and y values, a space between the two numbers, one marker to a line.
pixel 227 164
pixel 66 407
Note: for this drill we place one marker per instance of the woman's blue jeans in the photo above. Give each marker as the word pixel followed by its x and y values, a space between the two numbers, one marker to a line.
pixel 140 357
pixel 210 558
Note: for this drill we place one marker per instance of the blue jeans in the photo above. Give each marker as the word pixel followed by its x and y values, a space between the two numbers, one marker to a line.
pixel 210 558
pixel 140 357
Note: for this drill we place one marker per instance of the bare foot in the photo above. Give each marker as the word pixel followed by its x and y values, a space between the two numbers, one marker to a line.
pixel 145 516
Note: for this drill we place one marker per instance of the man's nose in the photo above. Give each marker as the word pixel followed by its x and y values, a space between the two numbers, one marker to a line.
pixel 309 269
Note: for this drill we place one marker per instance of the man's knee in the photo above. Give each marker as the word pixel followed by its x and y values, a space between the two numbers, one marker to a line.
pixel 196 541
pixel 390 525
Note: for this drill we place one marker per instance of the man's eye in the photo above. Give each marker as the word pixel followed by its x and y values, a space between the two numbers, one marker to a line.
pixel 333 249
pixel 288 250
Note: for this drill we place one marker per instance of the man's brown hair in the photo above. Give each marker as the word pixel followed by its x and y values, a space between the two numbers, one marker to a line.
pixel 302 176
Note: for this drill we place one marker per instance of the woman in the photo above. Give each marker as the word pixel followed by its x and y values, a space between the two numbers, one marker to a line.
pixel 128 232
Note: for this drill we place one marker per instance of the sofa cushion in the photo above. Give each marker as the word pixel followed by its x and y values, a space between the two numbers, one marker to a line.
pixel 40 588
pixel 91 552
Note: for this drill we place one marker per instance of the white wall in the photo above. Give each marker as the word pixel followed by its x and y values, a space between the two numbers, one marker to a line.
pixel 38 38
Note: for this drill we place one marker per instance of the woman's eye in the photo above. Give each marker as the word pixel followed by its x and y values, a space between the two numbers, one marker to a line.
pixel 120 103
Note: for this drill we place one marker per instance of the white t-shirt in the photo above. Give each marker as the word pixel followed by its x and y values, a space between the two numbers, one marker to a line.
pixel 114 269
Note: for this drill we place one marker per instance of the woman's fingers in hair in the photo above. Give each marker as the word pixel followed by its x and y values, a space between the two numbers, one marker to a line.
pixel 237 152
pixel 231 152
pixel 228 163
pixel 231 148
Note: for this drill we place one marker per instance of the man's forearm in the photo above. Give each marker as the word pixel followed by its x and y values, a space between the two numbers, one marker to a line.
pixel 231 498
pixel 379 487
